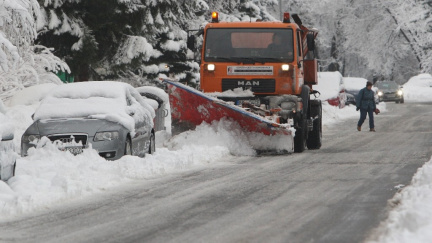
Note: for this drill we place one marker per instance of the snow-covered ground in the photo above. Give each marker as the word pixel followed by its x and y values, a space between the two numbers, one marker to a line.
pixel 49 177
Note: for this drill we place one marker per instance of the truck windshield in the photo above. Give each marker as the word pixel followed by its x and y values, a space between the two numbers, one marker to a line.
pixel 249 45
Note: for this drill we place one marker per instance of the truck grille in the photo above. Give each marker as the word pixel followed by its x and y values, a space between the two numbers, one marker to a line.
pixel 256 85
pixel 69 138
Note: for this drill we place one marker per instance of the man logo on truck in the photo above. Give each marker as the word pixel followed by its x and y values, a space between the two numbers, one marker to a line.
pixel 248 83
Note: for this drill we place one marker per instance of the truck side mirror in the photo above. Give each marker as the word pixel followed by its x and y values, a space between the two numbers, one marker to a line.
pixel 310 41
pixel 191 42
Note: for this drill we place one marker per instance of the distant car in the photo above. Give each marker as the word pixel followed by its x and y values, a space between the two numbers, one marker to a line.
pixel 7 147
pixel 389 91
pixel 112 117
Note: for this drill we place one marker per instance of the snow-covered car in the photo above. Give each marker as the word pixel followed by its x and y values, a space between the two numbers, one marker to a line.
pixel 7 148
pixel 332 88
pixel 111 117
pixel 160 100
pixel 389 91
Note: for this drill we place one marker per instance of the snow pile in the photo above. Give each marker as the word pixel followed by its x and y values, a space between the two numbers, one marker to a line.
pixel 418 88
pixel 329 85
pixel 31 95
pixel 100 100
pixel 158 92
pixel 410 221
pixel 237 92
pixel 49 176
pixel 6 126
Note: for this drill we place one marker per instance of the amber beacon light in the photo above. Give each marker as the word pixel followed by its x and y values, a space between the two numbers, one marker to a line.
pixel 215 17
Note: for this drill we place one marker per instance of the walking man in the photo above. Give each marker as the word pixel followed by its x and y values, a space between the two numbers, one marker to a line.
pixel 366 104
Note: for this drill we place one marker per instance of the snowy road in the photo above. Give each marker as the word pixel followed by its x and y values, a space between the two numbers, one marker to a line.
pixel 336 194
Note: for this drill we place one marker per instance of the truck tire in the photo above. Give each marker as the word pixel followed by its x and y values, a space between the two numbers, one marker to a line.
pixel 315 136
pixel 301 130
pixel 300 136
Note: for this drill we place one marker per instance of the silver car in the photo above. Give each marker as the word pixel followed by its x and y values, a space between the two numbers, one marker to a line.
pixel 110 117
pixel 7 148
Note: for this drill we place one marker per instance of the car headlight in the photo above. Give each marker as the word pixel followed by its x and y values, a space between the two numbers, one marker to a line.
pixel 380 93
pixel 106 136
pixel 32 138
pixel 399 92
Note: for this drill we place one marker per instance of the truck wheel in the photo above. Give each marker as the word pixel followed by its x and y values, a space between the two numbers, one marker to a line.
pixel 315 136
pixel 300 136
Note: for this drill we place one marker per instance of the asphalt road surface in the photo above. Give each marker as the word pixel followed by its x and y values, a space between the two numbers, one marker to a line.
pixel 336 194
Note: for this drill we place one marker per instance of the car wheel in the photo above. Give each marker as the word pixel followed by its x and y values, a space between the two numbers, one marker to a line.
pixel 152 147
pixel 128 147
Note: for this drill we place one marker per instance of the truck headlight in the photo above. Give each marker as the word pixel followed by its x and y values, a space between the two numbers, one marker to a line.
pixel 285 67
pixel 32 138
pixel 106 136
pixel 211 67
pixel 399 92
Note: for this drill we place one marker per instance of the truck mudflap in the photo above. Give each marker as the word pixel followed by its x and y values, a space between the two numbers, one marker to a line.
pixel 190 108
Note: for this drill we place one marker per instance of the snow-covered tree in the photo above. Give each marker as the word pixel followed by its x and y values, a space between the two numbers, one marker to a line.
pixel 22 63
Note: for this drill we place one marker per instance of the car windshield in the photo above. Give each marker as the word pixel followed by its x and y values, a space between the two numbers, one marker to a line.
pixel 387 85
pixel 249 45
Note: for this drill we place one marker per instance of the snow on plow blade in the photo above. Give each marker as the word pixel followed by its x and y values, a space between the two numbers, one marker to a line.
pixel 190 108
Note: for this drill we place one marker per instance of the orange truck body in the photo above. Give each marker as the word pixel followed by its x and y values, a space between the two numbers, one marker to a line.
pixel 289 81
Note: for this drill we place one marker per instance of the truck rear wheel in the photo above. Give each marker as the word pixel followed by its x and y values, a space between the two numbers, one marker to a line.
pixel 315 136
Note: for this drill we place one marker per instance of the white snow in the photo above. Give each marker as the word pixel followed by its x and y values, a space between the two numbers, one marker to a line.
pixel 49 177
pixel 237 92
pixel 99 100
pixel 418 89
pixel 31 95
pixel 354 84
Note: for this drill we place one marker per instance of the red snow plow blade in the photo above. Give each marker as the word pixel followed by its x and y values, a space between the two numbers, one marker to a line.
pixel 190 108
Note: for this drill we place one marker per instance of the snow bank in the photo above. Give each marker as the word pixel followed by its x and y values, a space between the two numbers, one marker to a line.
pixel 49 177
pixel 6 126
pixel 329 84
pixel 418 89
pixel 333 115
pixel 237 92
pixel 410 221
pixel 31 95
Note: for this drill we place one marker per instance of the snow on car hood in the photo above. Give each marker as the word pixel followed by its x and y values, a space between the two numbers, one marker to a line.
pixel 329 85
pixel 100 100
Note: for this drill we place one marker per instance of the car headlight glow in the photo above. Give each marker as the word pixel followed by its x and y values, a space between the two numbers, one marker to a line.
pixel 32 138
pixel 106 136
pixel 399 92
pixel 211 67
pixel 380 93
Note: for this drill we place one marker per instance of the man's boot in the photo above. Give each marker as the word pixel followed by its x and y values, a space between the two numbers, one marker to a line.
pixel 358 128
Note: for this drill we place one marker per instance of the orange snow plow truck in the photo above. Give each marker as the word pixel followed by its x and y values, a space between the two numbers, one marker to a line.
pixel 259 74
